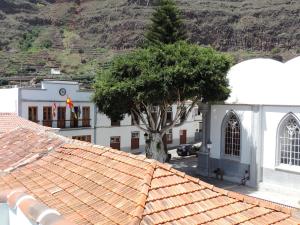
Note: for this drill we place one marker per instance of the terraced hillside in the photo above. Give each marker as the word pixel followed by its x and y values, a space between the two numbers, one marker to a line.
pixel 80 36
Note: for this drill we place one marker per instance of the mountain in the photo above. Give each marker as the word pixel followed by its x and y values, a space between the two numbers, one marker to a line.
pixel 79 36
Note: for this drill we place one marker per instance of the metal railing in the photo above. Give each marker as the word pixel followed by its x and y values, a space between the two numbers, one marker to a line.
pixel 75 123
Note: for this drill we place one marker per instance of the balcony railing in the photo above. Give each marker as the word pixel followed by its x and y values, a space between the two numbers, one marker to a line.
pixel 67 123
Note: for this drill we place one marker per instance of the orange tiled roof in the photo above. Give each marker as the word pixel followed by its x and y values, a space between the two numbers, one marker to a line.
pixel 10 121
pixel 21 146
pixel 99 185
pixel 35 211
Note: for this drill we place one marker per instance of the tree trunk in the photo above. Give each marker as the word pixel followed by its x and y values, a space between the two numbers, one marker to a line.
pixel 155 148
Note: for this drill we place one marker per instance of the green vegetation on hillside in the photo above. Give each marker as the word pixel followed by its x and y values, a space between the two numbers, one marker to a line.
pixel 71 33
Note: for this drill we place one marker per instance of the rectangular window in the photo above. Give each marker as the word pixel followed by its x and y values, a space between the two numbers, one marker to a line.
pixel 135 140
pixel 33 114
pixel 87 138
pixel 115 142
pixel 61 117
pixel 115 123
pixel 47 116
pixel 86 116
pixel 74 117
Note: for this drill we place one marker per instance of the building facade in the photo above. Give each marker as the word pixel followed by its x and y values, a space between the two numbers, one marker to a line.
pixel 47 106
pixel 255 135
pixel 124 135
pixel 79 119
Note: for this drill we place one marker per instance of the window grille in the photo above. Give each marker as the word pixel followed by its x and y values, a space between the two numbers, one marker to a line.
pixel 232 136
pixel 135 134
pixel 289 142
pixel 115 139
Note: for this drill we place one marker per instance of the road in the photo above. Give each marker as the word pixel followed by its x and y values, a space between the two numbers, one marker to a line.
pixel 187 164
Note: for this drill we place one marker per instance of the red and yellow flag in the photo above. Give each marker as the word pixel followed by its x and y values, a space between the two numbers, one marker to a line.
pixel 69 103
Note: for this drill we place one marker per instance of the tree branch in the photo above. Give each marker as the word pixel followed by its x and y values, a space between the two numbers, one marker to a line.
pixel 133 114
pixel 179 112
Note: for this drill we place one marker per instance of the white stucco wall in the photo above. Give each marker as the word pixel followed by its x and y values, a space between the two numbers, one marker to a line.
pixel 9 100
pixel 272 115
pixel 259 124
pixel 104 131
pixel 218 113
pixel 100 129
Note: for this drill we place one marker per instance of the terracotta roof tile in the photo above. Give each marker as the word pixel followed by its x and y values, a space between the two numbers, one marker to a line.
pixel 10 121
pixel 93 185
pixel 21 146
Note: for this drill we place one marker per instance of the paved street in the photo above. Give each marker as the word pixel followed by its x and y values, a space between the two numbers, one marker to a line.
pixel 188 165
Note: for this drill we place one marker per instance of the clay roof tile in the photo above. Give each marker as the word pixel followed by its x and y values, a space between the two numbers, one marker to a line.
pixel 99 185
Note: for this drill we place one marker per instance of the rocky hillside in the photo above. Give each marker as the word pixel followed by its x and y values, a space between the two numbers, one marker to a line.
pixel 79 36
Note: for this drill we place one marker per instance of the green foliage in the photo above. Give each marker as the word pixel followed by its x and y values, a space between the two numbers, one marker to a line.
pixel 28 38
pixel 161 76
pixel 275 51
pixel 101 50
pixel 167 26
pixel 46 44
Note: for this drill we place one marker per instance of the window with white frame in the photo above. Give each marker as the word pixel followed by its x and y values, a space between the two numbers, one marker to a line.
pixel 232 135
pixel 289 141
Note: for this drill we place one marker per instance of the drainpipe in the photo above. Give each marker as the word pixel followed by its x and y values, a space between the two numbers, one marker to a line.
pixel 95 124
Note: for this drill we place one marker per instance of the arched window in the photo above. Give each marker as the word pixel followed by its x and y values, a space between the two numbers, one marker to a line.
pixel 231 135
pixel 289 141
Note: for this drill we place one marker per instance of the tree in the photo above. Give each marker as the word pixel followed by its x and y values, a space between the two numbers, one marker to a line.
pixel 145 82
pixel 166 26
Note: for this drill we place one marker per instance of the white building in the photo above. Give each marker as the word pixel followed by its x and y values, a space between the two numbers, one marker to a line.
pixel 47 106
pixel 256 132
pixel 124 135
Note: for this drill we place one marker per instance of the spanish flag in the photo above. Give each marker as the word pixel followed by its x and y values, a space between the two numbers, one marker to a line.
pixel 71 106
pixel 69 103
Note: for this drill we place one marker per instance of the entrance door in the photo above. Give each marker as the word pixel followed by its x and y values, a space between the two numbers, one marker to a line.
pixel 135 140
pixel 182 136
pixel 115 142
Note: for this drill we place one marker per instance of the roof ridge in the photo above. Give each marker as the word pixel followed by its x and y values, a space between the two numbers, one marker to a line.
pixel 143 195
pixel 32 209
pixel 38 155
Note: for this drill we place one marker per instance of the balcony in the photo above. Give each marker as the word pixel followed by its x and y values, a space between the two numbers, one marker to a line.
pixel 65 124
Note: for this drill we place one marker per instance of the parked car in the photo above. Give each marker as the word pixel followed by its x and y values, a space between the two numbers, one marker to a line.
pixel 187 149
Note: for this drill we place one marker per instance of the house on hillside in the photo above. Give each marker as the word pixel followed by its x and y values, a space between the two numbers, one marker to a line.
pixel 256 133
pixel 48 106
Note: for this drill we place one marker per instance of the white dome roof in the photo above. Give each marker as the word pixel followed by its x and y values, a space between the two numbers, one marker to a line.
pixel 265 81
